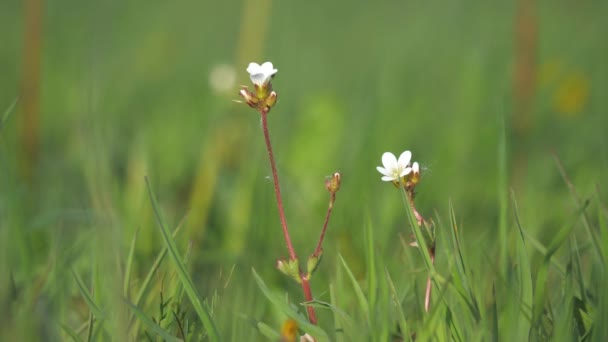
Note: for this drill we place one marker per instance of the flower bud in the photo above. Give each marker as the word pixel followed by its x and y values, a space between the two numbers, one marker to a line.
pixel 333 184
pixel 271 100
pixel 290 268
pixel 313 263
pixel 249 97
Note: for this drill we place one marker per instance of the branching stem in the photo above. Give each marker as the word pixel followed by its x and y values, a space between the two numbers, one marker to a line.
pixel 312 317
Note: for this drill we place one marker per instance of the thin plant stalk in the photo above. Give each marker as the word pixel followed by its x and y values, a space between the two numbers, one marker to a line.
pixel 332 200
pixel 277 188
pixel 429 286
pixel 422 222
pixel 312 317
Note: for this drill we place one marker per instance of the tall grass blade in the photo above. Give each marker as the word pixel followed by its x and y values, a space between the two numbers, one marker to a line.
pixel 7 113
pixel 73 334
pixel 503 198
pixel 128 268
pixel 405 331
pixel 372 281
pixel 185 279
pixel 363 303
pixel 582 205
pixel 268 332
pixel 281 304
pixel 87 297
pixel 150 324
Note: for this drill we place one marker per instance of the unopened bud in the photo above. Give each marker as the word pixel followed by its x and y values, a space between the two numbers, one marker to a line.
pixel 291 268
pixel 333 184
pixel 415 175
pixel 313 263
pixel 250 98
pixel 271 100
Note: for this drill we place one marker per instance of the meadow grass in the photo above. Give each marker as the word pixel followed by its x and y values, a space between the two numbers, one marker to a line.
pixel 151 212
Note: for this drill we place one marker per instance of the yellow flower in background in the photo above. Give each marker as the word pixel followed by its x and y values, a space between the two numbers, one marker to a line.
pixel 289 331
pixel 571 95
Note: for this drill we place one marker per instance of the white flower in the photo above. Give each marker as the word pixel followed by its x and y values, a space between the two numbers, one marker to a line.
pixel 415 168
pixel 394 169
pixel 261 74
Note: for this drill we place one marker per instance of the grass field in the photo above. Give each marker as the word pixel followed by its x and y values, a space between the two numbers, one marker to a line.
pixel 137 198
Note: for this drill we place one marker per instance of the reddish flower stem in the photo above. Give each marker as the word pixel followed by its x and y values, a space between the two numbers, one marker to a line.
pixel 421 221
pixel 277 189
pixel 429 288
pixel 312 317
pixel 319 248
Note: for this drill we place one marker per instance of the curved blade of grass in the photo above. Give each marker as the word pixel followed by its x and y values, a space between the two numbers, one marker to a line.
pixel 7 113
pixel 267 331
pixel 523 261
pixel 127 276
pixel 185 279
pixel 372 281
pixel 402 321
pixel 280 303
pixel 581 206
pixel 143 290
pixel 422 246
pixel 71 332
pixel 151 324
pixel 363 303
pixel 87 297
pixel 339 313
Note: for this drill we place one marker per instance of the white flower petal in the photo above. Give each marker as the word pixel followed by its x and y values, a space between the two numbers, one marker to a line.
pixel 254 68
pixel 388 178
pixel 404 159
pixel 268 69
pixel 405 171
pixel 383 170
pixel 258 78
pixel 416 167
pixel 261 74
pixel 389 161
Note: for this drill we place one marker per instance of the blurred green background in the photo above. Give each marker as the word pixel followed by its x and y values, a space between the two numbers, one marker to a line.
pixel 128 89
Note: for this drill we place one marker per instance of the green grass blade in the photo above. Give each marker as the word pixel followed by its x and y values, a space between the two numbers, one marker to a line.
pixel 145 286
pixel 372 281
pixel 281 304
pixel 151 324
pixel 503 197
pixel 420 239
pixel 405 331
pixel 523 262
pixel 185 279
pixel 87 297
pixel 71 332
pixel 363 303
pixel 582 205
pixel 7 113
pixel 128 268
pixel 340 329
pixel 267 331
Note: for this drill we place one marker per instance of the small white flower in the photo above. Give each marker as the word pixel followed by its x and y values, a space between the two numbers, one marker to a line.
pixel 392 168
pixel 415 168
pixel 261 74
